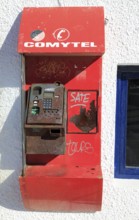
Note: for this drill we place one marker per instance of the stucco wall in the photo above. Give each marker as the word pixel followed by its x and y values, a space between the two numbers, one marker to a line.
pixel 120 197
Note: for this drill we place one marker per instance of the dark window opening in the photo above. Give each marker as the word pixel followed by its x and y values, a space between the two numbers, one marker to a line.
pixel 127 123
pixel 132 143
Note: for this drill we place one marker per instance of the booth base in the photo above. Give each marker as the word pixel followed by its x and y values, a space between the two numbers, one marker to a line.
pixel 58 188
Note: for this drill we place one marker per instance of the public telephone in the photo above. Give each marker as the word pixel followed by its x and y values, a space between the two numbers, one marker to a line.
pixel 65 114
pixel 45 119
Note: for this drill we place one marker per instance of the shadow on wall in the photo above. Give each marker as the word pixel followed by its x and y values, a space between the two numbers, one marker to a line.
pixel 10 136
pixel 10 64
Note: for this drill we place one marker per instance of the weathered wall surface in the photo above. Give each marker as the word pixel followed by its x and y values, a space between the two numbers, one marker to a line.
pixel 120 197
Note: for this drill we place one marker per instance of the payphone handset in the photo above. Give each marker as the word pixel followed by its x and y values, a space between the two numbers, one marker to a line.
pixel 46 104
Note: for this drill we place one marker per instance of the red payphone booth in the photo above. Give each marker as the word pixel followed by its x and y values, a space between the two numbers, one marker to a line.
pixel 62 52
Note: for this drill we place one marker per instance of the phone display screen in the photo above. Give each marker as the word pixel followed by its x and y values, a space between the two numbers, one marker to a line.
pixel 48 95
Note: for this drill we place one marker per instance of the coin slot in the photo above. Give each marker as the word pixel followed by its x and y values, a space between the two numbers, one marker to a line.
pixel 55 131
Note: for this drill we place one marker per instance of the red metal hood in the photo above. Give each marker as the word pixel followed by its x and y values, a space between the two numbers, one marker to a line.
pixel 62 30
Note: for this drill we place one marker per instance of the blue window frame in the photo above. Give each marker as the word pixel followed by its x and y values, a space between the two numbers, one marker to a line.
pixel 127 123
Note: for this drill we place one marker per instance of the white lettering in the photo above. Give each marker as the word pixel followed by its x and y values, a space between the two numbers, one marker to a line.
pixel 92 44
pixel 72 95
pixel 65 44
pixel 85 44
pixel 79 147
pixel 40 44
pixel 49 44
pixel 79 97
pixel 59 44
pixel 75 44
pixel 28 44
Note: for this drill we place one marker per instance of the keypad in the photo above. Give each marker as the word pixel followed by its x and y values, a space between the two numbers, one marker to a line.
pixel 47 103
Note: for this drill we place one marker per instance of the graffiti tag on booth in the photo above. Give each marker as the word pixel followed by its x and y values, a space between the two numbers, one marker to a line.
pixel 82 111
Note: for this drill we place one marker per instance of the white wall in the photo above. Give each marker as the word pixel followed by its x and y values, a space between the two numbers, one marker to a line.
pixel 120 197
